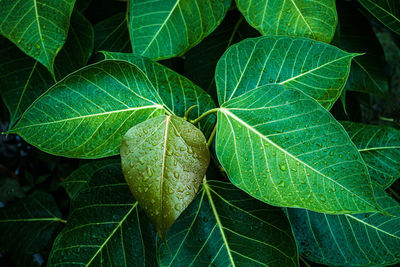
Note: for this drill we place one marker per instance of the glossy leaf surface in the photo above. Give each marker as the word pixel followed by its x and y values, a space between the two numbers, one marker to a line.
pixel 369 239
pixel 282 147
pixel 318 69
pixel 38 27
pixel 386 11
pixel 167 28
pixel 305 18
pixel 164 160
pixel 105 225
pixel 380 148
pixel 86 114
pixel 225 227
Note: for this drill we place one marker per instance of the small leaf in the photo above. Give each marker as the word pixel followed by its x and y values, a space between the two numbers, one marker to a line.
pixel 369 239
pixel 168 28
pixel 318 69
pixel 282 147
pixel 105 225
pixel 164 160
pixel 225 227
pixel 386 11
pixel 313 19
pixel 39 27
pixel 86 114
pixel 380 148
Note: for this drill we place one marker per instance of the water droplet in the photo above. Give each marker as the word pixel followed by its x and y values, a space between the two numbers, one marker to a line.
pixel 141 161
pixel 282 167
pixel 177 206
pixel 149 171
pixel 176 174
pixel 281 184
pixel 131 164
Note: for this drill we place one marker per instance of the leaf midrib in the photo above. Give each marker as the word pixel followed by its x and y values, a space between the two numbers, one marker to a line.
pixel 303 18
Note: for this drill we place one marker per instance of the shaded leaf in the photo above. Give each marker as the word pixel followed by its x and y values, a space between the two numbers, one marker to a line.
pixel 105 225
pixel 168 28
pixel 29 226
pixel 313 19
pixel 386 11
pixel 86 114
pixel 225 227
pixel 282 147
pixel 380 148
pixel 369 239
pixel 39 27
pixel 318 69
pixel 164 160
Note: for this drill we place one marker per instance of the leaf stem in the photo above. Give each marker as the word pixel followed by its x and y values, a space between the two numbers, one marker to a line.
pixel 188 111
pixel 394 194
pixel 205 114
pixel 304 261
pixel 212 135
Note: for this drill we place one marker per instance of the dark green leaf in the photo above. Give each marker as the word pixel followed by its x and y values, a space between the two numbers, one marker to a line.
pixel 386 11
pixel 304 18
pixel 164 160
pixel 369 239
pixel 105 226
pixel 225 227
pixel 282 147
pixel 380 148
pixel 168 28
pixel 38 27
pixel 86 114
pixel 318 69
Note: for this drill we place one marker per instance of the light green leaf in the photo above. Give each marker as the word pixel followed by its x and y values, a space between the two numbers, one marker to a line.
pixel 225 227
pixel 380 148
pixel 282 147
pixel 168 28
pixel 305 18
pixel 164 160
pixel 177 92
pixel 386 11
pixel 318 69
pixel 369 239
pixel 38 27
pixel 35 218
pixel 105 226
pixel 86 114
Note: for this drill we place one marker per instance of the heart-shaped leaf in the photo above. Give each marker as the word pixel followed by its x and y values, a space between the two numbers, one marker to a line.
pixel 386 11
pixel 305 18
pixel 282 147
pixel 86 114
pixel 38 27
pixel 164 160
pixel 318 69
pixel 380 148
pixel 105 225
pixel 225 227
pixel 167 28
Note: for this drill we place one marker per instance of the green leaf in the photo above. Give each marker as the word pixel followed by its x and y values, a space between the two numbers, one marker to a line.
pixel 177 92
pixel 38 27
pixel 367 73
pixel 112 34
pixel 318 69
pixel 304 18
pixel 380 148
pixel 386 11
pixel 168 28
pixel 164 160
pixel 86 114
pixel 105 226
pixel 282 147
pixel 369 239
pixel 225 227
pixel 29 226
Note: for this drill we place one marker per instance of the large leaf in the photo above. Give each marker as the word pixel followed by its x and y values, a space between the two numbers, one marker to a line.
pixel 380 148
pixel 167 28
pixel 318 69
pixel 225 227
pixel 369 239
pixel 386 11
pixel 38 27
pixel 282 147
pixel 35 219
pixel 177 92
pixel 307 18
pixel 164 160
pixel 86 114
pixel 105 225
